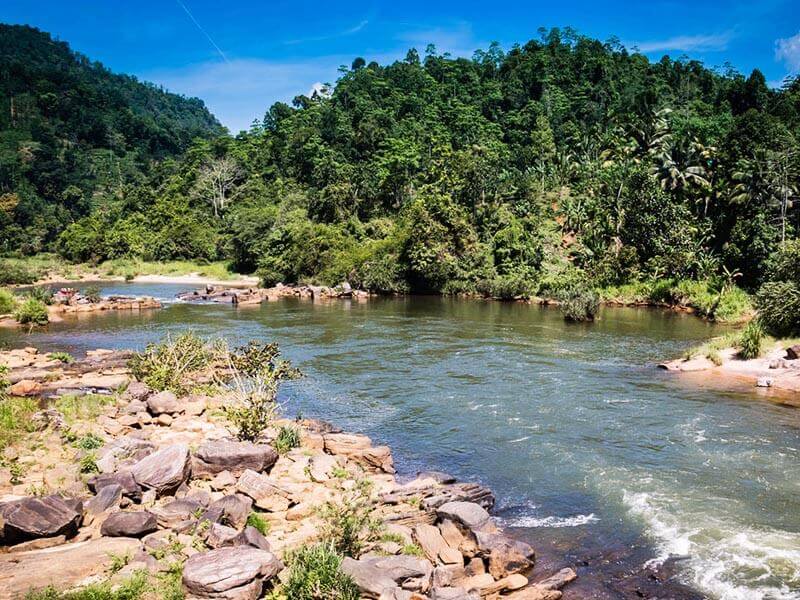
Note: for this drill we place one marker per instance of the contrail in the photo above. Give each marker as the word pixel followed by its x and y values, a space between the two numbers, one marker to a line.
pixel 203 31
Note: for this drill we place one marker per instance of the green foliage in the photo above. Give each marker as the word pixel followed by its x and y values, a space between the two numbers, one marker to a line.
pixel 16 274
pixel 32 312
pixel 15 416
pixel 7 302
pixel 88 442
pixel 41 293
pixel 82 408
pixel 579 305
pixel 133 588
pixel 348 525
pixel 167 365
pixel 288 437
pixel 778 305
pixel 88 463
pixel 64 357
pixel 315 574
pixel 92 293
pixel 751 340
pixel 256 520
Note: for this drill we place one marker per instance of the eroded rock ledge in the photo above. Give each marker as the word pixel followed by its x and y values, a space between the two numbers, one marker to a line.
pixel 174 485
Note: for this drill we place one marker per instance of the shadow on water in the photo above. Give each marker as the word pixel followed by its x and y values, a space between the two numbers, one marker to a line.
pixel 597 458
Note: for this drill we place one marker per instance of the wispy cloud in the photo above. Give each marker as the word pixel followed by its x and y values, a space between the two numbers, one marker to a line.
pixel 714 42
pixel 331 36
pixel 787 50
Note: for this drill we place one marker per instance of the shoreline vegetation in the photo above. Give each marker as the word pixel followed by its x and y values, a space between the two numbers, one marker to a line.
pixel 136 475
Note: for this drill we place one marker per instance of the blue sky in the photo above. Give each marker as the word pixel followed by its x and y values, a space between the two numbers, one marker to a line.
pixel 242 55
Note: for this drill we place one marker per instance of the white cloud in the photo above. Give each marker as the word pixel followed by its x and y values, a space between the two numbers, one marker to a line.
pixel 787 50
pixel 687 43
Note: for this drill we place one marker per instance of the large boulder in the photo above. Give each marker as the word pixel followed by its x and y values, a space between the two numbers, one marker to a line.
pixel 504 555
pixel 163 403
pixel 124 479
pixel 359 448
pixel 234 509
pixel 264 491
pixel 236 457
pixel 177 514
pixel 63 567
pixel 137 391
pixel 107 497
pixel 122 451
pixel 163 471
pixel 380 576
pixel 129 524
pixel 233 573
pixel 49 516
pixel 472 516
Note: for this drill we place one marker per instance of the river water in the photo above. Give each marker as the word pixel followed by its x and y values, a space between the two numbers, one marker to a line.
pixel 600 460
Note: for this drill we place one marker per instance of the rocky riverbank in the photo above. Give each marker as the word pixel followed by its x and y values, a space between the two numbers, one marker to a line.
pixel 778 369
pixel 158 485
pixel 255 295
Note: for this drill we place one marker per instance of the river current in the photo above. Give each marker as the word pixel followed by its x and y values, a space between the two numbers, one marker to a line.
pixel 597 458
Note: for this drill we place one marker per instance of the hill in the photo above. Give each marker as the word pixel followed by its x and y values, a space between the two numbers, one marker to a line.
pixel 72 134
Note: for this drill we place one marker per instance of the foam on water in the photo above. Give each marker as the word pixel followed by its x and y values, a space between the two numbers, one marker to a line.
pixel 551 521
pixel 728 561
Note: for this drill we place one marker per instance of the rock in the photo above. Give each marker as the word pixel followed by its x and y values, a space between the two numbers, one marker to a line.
pixel 470 515
pixel 223 455
pixel 235 509
pixel 252 537
pixel 222 480
pixel 107 497
pixel 534 593
pixel 26 387
pixel 163 403
pixel 236 573
pixel 63 566
pixel 379 575
pixel 124 479
pixel 173 514
pixel 321 466
pixel 764 382
pixel 163 471
pixel 40 517
pixel 129 524
pixel 777 363
pixel 453 593
pixel 50 417
pixel 504 555
pixel 220 535
pixel 435 547
pixel 164 420
pixel 264 492
pixel 448 575
pixel 137 391
pixel 557 581
pixel 120 450
pixel 38 544
pixel 359 449
pixel 437 476
pixel 793 352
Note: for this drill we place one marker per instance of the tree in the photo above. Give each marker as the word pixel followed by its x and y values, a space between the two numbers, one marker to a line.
pixel 216 182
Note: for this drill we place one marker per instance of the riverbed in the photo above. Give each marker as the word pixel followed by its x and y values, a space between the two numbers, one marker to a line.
pixel 597 458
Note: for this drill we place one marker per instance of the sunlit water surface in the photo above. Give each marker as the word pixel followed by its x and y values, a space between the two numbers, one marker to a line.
pixel 587 446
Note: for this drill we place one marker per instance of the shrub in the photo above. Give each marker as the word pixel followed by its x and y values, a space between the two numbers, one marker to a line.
pixel 580 305
pixel 92 293
pixel 778 305
pixel 508 287
pixel 254 519
pixel 751 341
pixel 16 274
pixel 7 302
pixel 90 441
pixel 288 437
pixel 348 525
pixel 131 589
pixel 315 574
pixel 42 293
pixel 64 357
pixel 784 264
pixel 167 365
pixel 88 463
pixel 32 312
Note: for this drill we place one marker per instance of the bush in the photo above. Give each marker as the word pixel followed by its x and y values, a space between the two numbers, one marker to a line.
pixel 508 287
pixel 751 341
pixel 778 305
pixel 254 519
pixel 64 357
pixel 315 574
pixel 784 264
pixel 166 366
pixel 15 274
pixel 92 293
pixel 42 293
pixel 580 305
pixel 348 525
pixel 287 438
pixel 7 302
pixel 32 312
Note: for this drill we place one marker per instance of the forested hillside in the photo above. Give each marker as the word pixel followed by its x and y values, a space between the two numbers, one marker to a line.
pixel 561 162
pixel 73 135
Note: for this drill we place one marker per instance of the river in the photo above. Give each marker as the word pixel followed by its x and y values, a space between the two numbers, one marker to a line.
pixel 597 458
